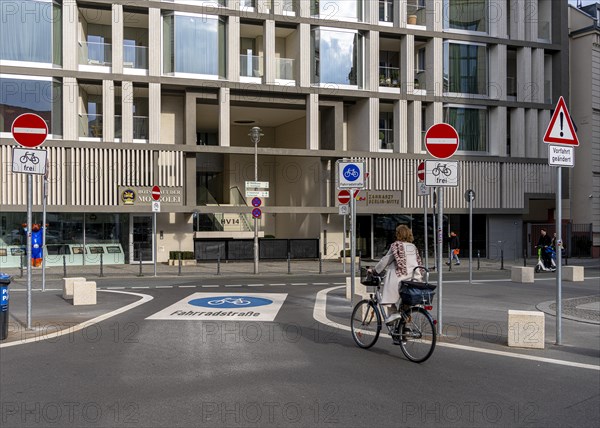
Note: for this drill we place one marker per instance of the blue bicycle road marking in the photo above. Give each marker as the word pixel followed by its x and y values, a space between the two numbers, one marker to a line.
pixel 351 172
pixel 230 302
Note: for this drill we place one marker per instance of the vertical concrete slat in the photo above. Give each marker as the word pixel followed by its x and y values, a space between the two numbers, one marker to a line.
pixel 127 110
pixel 305 56
pixel 497 88
pixel 224 117
pixel 407 63
pixel 154 43
pixel 497 120
pixel 414 127
pixel 434 67
pixel 537 75
pixel 371 80
pixel 154 109
pixel 400 126
pixel 524 83
pixel 312 122
pixel 374 125
pixel 531 133
pixel 233 49
pixel 117 38
pixel 70 45
pixel 70 104
pixel 517 133
pixel 269 49
pixel 108 110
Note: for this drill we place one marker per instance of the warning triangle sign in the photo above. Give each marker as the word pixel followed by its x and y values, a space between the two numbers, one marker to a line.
pixel 561 130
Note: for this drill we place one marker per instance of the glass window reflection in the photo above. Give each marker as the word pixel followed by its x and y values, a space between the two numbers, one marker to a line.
pixel 336 57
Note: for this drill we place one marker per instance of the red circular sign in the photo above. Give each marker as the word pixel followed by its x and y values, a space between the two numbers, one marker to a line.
pixel 29 130
pixel 421 171
pixel 156 193
pixel 441 141
pixel 344 197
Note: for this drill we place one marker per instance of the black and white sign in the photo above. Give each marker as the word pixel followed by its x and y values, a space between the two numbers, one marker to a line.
pixel 422 189
pixel 351 175
pixel 344 209
pixel 155 206
pixel 29 161
pixel 224 307
pixel 441 173
pixel 561 155
pixel 257 193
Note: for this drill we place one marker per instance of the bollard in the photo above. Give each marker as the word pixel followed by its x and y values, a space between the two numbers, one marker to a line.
pixel 359 260
pixel 140 256
pixel 21 267
pixel 101 265
pixel 179 263
pixel 501 259
pixel 64 266
pixel 524 258
pixel 219 264
pixel 289 264
pixel 320 264
pixel 478 259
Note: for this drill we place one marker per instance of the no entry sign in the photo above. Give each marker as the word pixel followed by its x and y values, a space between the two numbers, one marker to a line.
pixel 156 193
pixel 421 171
pixel 441 141
pixel 343 197
pixel 29 130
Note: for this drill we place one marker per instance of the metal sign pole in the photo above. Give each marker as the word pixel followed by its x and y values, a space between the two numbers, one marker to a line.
pixel 440 232
pixel 154 240
pixel 425 200
pixel 470 238
pixel 558 256
pixel 435 241
pixel 45 197
pixel 344 243
pixel 28 252
pixel 352 243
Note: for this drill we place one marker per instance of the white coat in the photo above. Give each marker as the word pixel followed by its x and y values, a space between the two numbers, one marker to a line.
pixel 391 281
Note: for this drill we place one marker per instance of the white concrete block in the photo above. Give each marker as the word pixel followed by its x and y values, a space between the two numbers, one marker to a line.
pixel 572 273
pixel 68 286
pixel 521 274
pixel 526 329
pixel 359 289
pixel 84 293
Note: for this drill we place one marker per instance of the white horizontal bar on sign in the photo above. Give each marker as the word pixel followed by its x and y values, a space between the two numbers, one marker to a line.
pixel 257 193
pixel 441 141
pixel 29 130
pixel 257 184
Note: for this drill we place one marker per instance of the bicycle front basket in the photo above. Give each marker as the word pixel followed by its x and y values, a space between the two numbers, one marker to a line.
pixel 416 293
pixel 367 278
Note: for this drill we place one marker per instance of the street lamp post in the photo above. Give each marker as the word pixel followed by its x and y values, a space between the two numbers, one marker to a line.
pixel 255 134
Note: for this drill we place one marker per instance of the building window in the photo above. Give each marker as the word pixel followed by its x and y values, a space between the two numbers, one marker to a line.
pixel 39 95
pixel 31 31
pixel 386 130
pixel 466 15
pixel 471 125
pixel 337 57
pixel 386 11
pixel 465 68
pixel 345 10
pixel 194 44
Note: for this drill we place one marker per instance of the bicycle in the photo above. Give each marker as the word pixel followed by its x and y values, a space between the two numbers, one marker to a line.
pixel 238 302
pixel 414 331
pixel 351 173
pixel 29 156
pixel 441 169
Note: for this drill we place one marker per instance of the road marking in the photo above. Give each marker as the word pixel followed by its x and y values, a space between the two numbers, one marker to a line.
pixel 256 285
pixel 273 285
pixel 233 285
pixel 210 286
pixel 299 283
pixel 164 286
pixel 139 288
pixel 186 286
pixel 320 315
pixel 115 288
pixel 71 329
pixel 338 283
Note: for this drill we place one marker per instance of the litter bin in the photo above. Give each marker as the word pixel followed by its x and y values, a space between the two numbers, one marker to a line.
pixel 4 283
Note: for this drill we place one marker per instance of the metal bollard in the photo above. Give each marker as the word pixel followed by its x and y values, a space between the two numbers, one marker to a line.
pixel 21 267
pixel 64 266
pixel 501 259
pixel 179 264
pixel 219 264
pixel 478 255
pixel 320 263
pixel 289 261
pixel 101 265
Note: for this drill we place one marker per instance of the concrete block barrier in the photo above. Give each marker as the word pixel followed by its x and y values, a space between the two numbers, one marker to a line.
pixel 68 286
pixel 572 273
pixel 359 289
pixel 521 274
pixel 84 293
pixel 526 329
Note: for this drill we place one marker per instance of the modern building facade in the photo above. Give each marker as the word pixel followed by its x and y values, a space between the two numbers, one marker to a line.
pixel 584 32
pixel 140 93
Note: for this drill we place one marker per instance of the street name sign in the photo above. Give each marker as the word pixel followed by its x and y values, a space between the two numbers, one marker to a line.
pixel 257 193
pixel 257 184
pixel 441 173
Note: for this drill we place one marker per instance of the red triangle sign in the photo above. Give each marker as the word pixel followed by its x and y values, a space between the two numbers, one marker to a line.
pixel 561 130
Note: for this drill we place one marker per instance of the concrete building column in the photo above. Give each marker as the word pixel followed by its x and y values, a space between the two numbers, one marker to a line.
pixel 117 38
pixel 407 64
pixel 414 127
pixel 69 108
pixel 498 129
pixel 400 126
pixel 543 122
pixel 371 72
pixel 371 12
pixel 517 20
pixel 531 133
pixel 434 66
pixel 524 83
pixel 154 112
pixel 399 14
pixel 499 18
pixel 312 122
pixel 305 8
pixel 70 38
pixel 497 87
pixel 278 7
pixel 190 118
pixel 108 110
pixel 224 117
pixel 154 43
pixel 517 133
pixel 374 125
pixel 305 56
pixel 537 75
pixel 531 19
pixel 434 11
pixel 127 110
pixel 233 49
pixel 269 52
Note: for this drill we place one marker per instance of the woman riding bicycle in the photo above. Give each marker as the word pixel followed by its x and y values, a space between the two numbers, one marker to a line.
pixel 398 263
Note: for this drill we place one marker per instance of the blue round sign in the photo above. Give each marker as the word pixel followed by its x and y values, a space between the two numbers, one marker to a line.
pixel 230 302
pixel 256 213
pixel 351 172
pixel 256 202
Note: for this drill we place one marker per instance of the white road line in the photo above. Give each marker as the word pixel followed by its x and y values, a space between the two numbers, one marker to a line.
pixel 454 281
pixel 256 285
pixel 164 286
pixel 273 285
pixel 116 288
pixel 210 286
pixel 320 283
pixel 338 283
pixel 320 315
pixel 299 283
pixel 139 288
pixel 232 285
pixel 186 286
pixel 144 298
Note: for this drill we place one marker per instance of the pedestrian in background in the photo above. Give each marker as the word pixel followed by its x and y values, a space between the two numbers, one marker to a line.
pixel 454 249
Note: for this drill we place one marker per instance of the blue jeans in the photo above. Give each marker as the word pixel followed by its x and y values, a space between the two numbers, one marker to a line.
pixel 453 256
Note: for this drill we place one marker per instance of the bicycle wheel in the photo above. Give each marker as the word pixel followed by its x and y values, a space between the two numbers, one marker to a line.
pixel 366 324
pixel 418 335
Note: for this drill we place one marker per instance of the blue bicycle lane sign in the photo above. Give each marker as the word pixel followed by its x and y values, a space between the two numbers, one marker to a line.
pixel 351 175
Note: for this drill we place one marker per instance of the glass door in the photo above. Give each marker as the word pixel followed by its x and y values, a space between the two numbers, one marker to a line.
pixel 141 239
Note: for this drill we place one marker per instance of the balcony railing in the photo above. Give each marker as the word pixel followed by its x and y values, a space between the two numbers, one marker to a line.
pixel 251 66
pixel 284 68
pixel 389 77
pixel 420 79
pixel 415 14
pixel 140 127
pixel 90 125
pixel 386 11
pixel 386 139
pixel 95 53
pixel 135 57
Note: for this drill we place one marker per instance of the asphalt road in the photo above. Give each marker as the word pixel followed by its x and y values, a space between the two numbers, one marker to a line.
pixel 130 371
